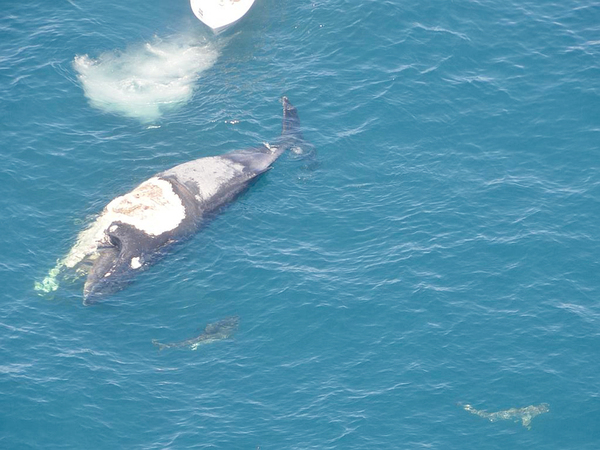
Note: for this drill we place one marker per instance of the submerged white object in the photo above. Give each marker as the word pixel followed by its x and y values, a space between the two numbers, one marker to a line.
pixel 146 79
pixel 220 14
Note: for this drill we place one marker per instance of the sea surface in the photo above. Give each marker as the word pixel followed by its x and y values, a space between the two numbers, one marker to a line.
pixel 438 246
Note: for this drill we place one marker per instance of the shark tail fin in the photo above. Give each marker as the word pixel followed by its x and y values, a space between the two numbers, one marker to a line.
pixel 159 345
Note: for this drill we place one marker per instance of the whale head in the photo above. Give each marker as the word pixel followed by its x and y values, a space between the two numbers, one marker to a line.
pixel 116 263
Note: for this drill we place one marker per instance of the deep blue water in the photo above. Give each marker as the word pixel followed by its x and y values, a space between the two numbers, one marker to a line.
pixel 443 247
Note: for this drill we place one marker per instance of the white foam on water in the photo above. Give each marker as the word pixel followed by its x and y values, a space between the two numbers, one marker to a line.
pixel 145 80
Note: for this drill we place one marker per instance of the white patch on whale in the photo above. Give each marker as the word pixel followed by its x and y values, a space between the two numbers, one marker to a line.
pixel 145 80
pixel 153 207
pixel 135 263
pixel 208 174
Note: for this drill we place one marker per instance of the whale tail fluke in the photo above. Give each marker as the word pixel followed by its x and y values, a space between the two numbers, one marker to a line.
pixel 291 133
pixel 291 121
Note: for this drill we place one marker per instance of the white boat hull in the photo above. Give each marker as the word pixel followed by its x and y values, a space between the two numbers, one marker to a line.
pixel 220 14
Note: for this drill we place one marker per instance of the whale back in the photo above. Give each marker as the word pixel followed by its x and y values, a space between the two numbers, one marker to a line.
pixel 215 180
pixel 212 180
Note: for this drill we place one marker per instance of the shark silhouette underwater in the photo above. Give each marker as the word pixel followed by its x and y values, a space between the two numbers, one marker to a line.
pixel 218 331
pixel 524 415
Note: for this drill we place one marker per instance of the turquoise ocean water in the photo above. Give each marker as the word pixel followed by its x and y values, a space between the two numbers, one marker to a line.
pixel 440 247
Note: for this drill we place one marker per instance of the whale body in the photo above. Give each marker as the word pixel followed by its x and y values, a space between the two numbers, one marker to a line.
pixel 135 228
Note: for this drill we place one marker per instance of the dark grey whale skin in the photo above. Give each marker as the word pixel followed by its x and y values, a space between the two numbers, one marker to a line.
pixel 112 271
